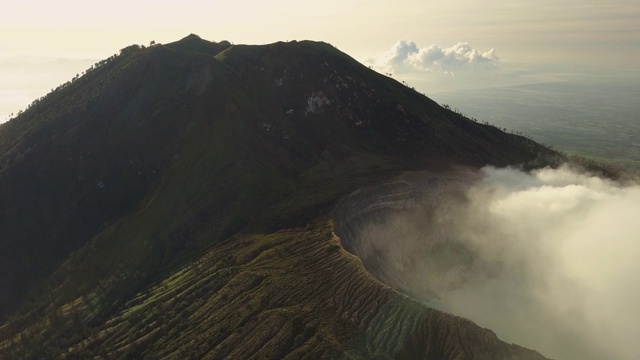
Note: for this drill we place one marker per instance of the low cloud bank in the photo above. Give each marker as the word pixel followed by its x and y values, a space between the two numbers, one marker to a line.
pixel 549 260
pixel 568 249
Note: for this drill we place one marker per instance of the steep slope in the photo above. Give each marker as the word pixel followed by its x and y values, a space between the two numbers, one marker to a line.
pixel 114 186
pixel 289 294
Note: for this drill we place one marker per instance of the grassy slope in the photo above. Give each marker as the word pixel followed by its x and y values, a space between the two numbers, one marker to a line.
pixel 235 149
pixel 292 294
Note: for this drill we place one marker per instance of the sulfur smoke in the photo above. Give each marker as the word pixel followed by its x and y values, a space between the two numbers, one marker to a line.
pixel 549 259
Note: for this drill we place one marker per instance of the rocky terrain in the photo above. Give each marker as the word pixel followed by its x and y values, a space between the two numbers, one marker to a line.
pixel 403 230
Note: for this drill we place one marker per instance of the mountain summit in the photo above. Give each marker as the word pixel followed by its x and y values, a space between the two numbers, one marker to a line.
pixel 176 201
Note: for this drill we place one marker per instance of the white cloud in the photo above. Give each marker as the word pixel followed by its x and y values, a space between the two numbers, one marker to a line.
pixel 569 255
pixel 397 55
pixel 406 56
pixel 548 259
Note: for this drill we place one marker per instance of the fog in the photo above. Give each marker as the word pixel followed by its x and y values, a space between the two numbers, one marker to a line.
pixel 549 260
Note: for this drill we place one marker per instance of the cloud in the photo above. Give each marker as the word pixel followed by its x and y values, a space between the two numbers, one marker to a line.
pixel 548 259
pixel 398 54
pixel 407 56
pixel 568 250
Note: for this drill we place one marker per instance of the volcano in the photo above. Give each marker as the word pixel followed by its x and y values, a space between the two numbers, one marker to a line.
pixel 178 201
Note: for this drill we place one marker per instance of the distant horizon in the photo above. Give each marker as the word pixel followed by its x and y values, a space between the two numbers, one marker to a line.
pixel 433 47
pixel 26 78
pixel 545 103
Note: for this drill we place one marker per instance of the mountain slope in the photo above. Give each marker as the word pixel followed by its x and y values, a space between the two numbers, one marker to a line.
pixel 191 184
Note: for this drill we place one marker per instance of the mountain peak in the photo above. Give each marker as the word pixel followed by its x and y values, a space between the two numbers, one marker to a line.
pixel 191 36
pixel 195 44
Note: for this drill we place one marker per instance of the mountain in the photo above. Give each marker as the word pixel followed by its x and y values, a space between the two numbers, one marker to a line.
pixel 177 201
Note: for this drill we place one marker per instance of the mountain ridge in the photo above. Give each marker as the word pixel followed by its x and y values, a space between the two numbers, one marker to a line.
pixel 162 155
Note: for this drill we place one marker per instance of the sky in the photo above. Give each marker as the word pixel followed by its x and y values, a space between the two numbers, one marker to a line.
pixel 435 46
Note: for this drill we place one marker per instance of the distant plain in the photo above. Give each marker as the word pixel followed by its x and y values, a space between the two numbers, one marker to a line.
pixel 597 118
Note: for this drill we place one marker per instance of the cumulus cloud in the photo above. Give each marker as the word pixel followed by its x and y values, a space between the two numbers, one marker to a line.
pixel 406 56
pixel 549 259
pixel 399 53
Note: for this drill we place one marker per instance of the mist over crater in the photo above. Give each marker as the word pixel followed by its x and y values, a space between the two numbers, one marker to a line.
pixel 547 259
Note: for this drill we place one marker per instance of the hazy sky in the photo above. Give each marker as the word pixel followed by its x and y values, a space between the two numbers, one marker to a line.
pixel 529 38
